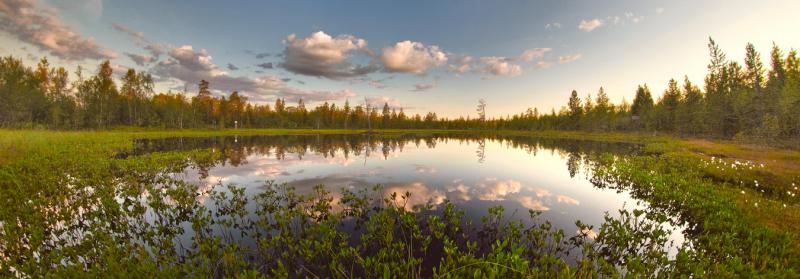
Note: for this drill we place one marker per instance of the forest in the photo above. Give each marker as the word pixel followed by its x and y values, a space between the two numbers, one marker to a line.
pixel 744 101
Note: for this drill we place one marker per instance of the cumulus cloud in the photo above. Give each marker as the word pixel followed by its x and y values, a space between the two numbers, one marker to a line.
pixel 531 203
pixel 419 87
pixel 569 58
pixel 500 66
pixel 140 60
pixel 533 53
pixel 190 66
pixel 412 57
pixel 156 49
pixel 421 194
pixel 47 32
pixel 567 200
pixel 462 65
pixel 492 189
pixel 321 55
pixel 589 25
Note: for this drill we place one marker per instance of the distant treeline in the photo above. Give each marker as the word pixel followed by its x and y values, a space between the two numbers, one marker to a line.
pixel 738 101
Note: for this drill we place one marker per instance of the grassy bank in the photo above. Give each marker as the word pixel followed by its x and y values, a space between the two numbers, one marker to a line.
pixel 741 200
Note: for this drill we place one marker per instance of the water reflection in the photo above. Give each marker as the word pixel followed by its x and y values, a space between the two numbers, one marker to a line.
pixel 519 172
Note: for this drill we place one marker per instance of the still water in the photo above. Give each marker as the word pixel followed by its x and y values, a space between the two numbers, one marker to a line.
pixel 473 172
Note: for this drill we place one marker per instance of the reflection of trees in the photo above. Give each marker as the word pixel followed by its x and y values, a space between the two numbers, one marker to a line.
pixel 235 150
pixel 481 152
pixel 573 163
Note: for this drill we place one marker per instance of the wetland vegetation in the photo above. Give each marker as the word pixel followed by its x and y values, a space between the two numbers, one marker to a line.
pixel 138 202
pixel 178 167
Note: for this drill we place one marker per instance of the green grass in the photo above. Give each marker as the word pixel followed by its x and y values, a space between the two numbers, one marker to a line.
pixel 695 179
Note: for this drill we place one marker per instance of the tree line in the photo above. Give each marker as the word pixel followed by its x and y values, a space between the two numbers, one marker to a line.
pixel 44 97
pixel 738 100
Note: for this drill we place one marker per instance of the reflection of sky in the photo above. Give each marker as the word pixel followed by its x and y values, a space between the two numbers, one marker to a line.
pixel 512 177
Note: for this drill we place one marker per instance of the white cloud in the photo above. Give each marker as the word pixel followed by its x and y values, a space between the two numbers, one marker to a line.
pixel 569 58
pixel 660 10
pixel 321 55
pixel 46 31
pixel 543 64
pixel 531 203
pixel 420 194
pixel 588 26
pixel 533 53
pixel 492 189
pixel 462 65
pixel 190 66
pixel 567 200
pixel 412 57
pixel 499 66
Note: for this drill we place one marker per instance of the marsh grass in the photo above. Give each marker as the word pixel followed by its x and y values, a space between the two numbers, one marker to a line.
pixel 69 207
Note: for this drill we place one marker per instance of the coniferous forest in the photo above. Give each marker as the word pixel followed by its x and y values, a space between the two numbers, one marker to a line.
pixel 399 139
pixel 748 100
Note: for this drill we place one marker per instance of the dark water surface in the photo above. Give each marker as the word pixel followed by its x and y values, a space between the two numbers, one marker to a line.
pixel 474 172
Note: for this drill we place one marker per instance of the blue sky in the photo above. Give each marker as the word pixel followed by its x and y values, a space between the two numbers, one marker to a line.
pixel 421 55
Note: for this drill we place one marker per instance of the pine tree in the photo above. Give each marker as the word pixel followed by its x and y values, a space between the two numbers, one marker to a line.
pixel 575 109
pixel 642 107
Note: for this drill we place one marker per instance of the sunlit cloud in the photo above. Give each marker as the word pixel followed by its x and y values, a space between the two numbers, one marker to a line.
pixel 44 29
pixel 412 57
pixel 322 55
pixel 462 65
pixel 567 200
pixel 531 203
pixel 492 189
pixel 569 58
pixel 533 53
pixel 420 194
pixel 500 66
pixel 590 25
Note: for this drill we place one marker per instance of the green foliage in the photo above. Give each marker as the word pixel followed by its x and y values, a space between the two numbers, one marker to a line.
pixel 69 209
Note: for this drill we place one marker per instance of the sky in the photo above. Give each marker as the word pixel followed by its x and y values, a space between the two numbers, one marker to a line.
pixel 422 56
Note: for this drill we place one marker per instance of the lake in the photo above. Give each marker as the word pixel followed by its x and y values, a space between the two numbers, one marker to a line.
pixel 474 172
